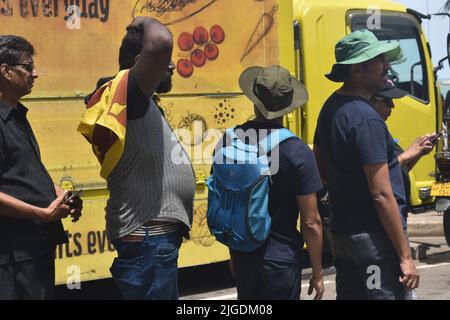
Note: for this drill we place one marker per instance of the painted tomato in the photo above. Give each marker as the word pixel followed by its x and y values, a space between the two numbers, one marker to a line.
pixel 201 35
pixel 185 41
pixel 198 58
pixel 185 68
pixel 211 51
pixel 217 34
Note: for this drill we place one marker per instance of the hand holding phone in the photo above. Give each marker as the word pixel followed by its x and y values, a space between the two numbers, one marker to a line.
pixel 435 138
pixel 76 206
pixel 73 194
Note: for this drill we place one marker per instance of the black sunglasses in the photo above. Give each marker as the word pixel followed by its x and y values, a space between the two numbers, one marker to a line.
pixel 27 66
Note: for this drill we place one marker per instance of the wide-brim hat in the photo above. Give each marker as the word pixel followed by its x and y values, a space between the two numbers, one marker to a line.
pixel 273 90
pixel 358 47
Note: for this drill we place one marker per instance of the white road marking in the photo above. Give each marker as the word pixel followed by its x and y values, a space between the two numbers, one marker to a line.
pixel 234 295
pixel 433 265
pixel 224 297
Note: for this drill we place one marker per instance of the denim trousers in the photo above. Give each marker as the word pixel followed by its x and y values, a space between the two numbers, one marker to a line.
pixel 148 269
pixel 367 267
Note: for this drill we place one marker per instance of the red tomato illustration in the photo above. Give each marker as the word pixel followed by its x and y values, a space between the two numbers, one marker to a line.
pixel 201 35
pixel 185 68
pixel 217 34
pixel 185 41
pixel 211 51
pixel 198 58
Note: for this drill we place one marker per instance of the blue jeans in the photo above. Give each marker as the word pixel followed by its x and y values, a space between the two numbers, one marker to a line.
pixel 148 269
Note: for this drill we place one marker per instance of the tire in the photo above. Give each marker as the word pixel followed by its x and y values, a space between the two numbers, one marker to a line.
pixel 447 226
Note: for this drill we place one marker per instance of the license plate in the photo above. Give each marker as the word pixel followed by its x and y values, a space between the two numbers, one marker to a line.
pixel 440 189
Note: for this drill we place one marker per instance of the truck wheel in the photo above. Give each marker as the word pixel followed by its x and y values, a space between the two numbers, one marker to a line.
pixel 447 226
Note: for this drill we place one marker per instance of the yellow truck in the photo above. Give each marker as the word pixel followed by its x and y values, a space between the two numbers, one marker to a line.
pixel 77 42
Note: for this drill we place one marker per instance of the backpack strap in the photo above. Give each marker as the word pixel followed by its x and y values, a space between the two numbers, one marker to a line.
pixel 275 138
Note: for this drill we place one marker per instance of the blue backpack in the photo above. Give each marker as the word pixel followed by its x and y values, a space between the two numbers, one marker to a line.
pixel 238 196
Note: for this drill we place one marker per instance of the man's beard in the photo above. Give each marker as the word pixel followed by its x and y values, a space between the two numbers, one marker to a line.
pixel 165 85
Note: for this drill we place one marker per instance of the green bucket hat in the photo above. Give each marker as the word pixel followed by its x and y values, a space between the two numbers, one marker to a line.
pixel 273 90
pixel 360 46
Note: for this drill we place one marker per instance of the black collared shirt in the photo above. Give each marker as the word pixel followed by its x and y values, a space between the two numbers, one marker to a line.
pixel 24 177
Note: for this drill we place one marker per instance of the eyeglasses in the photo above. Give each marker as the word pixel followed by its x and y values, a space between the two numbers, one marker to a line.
pixel 27 66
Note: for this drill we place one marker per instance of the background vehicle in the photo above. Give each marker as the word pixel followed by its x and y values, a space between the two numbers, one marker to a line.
pixel 215 40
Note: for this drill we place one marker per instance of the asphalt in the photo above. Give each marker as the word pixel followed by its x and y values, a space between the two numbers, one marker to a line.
pixel 427 224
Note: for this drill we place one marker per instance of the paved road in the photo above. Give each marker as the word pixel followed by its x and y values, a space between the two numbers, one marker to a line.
pixel 434 270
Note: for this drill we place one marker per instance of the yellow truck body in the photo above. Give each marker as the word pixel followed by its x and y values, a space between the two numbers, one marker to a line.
pixel 77 45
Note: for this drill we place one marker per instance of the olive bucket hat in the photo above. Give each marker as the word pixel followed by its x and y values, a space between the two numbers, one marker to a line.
pixel 358 47
pixel 273 90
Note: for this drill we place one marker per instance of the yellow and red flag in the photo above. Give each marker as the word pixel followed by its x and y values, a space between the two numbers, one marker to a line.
pixel 104 122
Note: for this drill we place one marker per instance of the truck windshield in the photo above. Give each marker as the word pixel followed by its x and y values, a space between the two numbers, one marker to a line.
pixel 410 70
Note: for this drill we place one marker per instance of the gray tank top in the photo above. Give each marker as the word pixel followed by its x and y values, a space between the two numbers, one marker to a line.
pixel 146 183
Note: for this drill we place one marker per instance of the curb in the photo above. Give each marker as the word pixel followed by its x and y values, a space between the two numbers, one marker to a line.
pixel 426 229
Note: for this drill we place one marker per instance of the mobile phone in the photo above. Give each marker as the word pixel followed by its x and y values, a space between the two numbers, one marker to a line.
pixel 73 194
pixel 435 139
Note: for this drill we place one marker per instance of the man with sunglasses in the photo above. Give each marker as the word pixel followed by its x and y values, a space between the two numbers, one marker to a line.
pixel 383 103
pixel 31 205
pixel 355 155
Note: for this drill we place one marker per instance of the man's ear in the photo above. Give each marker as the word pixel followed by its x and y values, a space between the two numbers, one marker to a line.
pixel 4 71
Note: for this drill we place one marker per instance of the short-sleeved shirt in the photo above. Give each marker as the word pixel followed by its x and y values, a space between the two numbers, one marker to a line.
pixel 24 177
pixel 297 175
pixel 350 135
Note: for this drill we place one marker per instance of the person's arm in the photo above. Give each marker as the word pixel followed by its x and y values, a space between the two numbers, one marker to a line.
pixel 14 208
pixel 420 147
pixel 412 163
pixel 155 55
pixel 387 209
pixel 58 190
pixel 311 228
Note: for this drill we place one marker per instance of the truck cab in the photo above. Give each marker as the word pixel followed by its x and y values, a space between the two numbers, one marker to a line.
pixel 320 24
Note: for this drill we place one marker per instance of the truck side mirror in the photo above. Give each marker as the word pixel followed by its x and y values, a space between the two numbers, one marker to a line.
pixel 448 48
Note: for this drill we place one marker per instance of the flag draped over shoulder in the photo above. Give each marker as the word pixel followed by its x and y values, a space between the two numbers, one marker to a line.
pixel 104 122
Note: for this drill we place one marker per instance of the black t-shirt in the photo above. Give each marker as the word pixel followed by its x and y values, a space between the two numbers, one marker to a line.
pixel 297 175
pixel 351 134
pixel 24 177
